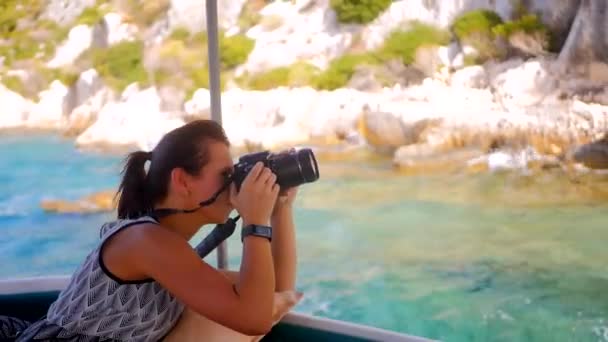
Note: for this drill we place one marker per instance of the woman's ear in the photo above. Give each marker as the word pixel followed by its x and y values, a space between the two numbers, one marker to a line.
pixel 180 181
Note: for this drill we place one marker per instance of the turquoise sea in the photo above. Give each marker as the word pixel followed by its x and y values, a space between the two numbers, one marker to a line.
pixel 497 257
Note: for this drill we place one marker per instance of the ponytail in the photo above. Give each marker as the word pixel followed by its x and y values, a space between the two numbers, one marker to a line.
pixel 133 201
pixel 184 147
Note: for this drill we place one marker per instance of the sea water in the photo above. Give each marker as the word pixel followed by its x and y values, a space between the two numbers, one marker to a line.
pixel 487 257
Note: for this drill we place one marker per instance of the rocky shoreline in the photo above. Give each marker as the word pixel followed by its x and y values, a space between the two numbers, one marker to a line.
pixel 470 109
pixel 434 127
pixel 524 111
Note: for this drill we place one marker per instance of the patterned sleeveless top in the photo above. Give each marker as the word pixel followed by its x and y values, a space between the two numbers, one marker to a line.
pixel 98 306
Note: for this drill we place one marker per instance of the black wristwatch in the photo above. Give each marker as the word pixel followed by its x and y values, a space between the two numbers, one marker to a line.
pixel 256 230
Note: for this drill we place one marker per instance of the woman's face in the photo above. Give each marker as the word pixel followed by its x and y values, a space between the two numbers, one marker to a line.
pixel 210 179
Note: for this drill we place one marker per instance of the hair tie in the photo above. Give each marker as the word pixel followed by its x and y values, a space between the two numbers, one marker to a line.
pixel 147 162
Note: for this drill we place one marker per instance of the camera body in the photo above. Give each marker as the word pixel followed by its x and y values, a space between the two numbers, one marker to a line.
pixel 292 167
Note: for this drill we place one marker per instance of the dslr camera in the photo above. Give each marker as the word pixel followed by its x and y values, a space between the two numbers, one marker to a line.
pixel 292 167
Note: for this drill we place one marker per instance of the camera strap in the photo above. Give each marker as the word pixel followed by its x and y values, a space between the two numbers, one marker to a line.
pixel 163 212
pixel 220 233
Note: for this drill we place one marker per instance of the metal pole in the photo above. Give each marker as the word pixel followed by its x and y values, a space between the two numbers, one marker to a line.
pixel 214 61
pixel 215 93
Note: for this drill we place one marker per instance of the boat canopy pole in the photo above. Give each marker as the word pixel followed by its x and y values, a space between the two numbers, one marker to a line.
pixel 215 93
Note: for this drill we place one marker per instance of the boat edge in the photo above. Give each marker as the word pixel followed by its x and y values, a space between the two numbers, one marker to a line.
pixel 57 283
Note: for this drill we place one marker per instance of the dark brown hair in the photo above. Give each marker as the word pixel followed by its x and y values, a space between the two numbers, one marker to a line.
pixel 184 147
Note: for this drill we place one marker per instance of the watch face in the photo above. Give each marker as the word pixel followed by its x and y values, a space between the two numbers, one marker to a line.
pixel 263 230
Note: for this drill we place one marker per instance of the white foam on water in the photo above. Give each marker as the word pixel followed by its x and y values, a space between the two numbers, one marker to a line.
pixel 504 316
pixel 601 332
pixel 11 212
pixel 19 205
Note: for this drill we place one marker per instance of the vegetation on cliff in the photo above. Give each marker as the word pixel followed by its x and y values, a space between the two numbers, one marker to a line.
pixel 27 42
pixel 359 11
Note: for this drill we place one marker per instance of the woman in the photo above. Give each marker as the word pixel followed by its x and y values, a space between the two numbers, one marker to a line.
pixel 137 282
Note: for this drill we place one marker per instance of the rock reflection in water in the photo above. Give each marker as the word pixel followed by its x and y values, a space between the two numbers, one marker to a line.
pixel 499 256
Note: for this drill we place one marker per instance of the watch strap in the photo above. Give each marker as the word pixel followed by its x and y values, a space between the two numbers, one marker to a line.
pixel 256 230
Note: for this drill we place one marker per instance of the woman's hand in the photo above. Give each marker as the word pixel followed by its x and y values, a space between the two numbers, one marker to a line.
pixel 257 197
pixel 284 241
pixel 285 201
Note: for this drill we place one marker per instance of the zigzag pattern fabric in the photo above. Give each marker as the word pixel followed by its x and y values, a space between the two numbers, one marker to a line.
pixel 95 307
pixel 10 327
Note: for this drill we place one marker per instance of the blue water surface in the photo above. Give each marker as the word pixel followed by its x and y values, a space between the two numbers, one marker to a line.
pixel 457 258
pixel 39 167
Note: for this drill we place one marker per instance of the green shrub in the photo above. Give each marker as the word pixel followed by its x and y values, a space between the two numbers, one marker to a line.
pixel 90 16
pixel 39 78
pixel 42 77
pixel 475 23
pixel 180 33
pixel 249 16
pixel 144 13
pixel 15 84
pixel 12 11
pixel 8 17
pixel 296 75
pixel 273 78
pixel 200 38
pixel 68 78
pixel 182 61
pixel 529 23
pixel 403 44
pixel 303 74
pixel 192 49
pixel 199 78
pixel 37 39
pixel 57 33
pixel 359 11
pixel 151 11
pixel 121 64
pixel 342 69
pixel 235 50
pixel 476 28
pixel 21 47
pixel 470 60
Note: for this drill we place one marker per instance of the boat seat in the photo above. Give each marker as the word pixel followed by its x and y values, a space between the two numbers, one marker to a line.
pixel 33 306
pixel 28 306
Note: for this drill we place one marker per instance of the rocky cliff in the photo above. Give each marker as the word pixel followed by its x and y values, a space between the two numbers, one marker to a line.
pixel 417 78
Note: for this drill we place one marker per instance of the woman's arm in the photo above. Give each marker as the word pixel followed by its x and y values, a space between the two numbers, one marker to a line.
pixel 170 260
pixel 284 250
pixel 284 254
pixel 233 276
pixel 152 251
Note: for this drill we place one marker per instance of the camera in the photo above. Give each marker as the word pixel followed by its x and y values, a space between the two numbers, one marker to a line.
pixel 292 167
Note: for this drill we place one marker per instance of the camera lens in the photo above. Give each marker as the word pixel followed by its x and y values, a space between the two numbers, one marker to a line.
pixel 309 167
pixel 295 168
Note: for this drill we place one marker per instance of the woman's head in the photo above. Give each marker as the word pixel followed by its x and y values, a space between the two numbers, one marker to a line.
pixel 187 166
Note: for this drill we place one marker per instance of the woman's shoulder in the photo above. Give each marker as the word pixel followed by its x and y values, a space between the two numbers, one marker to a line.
pixel 134 238
pixel 110 228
